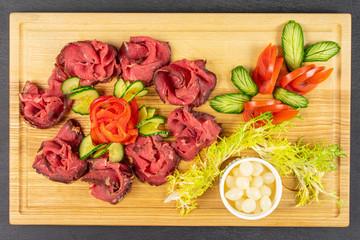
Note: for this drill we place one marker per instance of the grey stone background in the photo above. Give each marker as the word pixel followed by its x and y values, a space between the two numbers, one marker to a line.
pixel 251 6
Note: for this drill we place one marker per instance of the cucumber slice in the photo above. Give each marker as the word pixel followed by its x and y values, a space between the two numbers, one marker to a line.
pixel 142 114
pixel 127 83
pixel 143 92
pixel 150 112
pixel 69 84
pixel 230 103
pixel 290 98
pixel 242 80
pixel 80 89
pixel 293 45
pixel 321 51
pixel 101 151
pixel 119 88
pixel 150 129
pixel 116 152
pixel 156 119
pixel 87 147
pixel 86 96
pixel 132 90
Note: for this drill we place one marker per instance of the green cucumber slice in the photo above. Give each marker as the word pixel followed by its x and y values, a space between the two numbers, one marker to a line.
pixel 142 114
pixel 293 45
pixel 132 90
pixel 150 112
pixel 119 88
pixel 242 80
pixel 143 92
pixel 290 98
pixel 150 129
pixel 230 103
pixel 87 147
pixel 156 119
pixel 101 151
pixel 69 84
pixel 86 96
pixel 321 51
pixel 80 89
pixel 116 152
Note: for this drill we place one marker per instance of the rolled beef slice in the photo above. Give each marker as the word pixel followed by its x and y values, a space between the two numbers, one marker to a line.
pixel 193 131
pixel 153 159
pixel 44 109
pixel 109 181
pixel 59 159
pixel 141 57
pixel 184 82
pixel 92 61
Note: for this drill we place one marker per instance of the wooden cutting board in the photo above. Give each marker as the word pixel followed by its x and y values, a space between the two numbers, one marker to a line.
pixel 225 41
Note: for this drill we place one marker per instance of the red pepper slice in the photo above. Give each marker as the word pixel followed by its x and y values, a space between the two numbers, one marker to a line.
pixel 294 74
pixel 281 112
pixel 306 76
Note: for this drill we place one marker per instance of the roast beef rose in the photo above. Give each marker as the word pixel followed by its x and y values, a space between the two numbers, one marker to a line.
pixel 141 57
pixel 184 83
pixel 92 61
pixel 193 131
pixel 110 181
pixel 59 159
pixel 153 159
pixel 43 109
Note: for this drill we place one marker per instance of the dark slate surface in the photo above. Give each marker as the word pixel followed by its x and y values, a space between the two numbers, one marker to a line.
pixel 264 6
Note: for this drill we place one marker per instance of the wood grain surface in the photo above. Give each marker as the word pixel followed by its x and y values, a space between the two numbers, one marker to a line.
pixel 225 41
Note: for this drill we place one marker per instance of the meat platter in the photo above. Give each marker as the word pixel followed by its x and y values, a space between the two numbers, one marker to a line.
pixel 225 41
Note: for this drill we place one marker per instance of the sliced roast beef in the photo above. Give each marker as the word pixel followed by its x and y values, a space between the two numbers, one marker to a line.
pixel 153 159
pixel 43 109
pixel 184 83
pixel 193 131
pixel 141 57
pixel 109 181
pixel 92 61
pixel 55 81
pixel 59 159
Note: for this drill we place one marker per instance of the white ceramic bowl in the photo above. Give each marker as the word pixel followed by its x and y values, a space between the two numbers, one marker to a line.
pixel 251 216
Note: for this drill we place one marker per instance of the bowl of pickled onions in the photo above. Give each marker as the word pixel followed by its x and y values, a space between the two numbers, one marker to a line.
pixel 250 188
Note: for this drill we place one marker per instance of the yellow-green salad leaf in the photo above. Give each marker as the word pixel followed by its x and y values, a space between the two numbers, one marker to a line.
pixel 307 162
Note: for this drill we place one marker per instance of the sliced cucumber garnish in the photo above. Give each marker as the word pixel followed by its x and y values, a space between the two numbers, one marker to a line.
pixel 132 90
pixel 150 129
pixel 293 45
pixel 87 147
pixel 119 88
pixel 242 80
pixel 150 112
pixel 116 152
pixel 230 103
pixel 101 151
pixel 321 51
pixel 69 84
pixel 143 92
pixel 156 119
pixel 87 95
pixel 142 114
pixel 290 98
